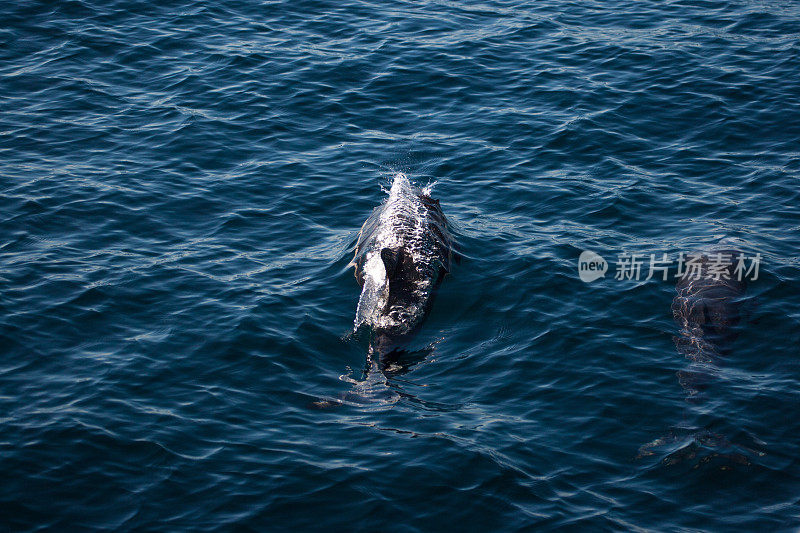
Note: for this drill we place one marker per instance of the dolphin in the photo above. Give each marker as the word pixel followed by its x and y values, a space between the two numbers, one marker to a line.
pixel 403 252
pixel 707 309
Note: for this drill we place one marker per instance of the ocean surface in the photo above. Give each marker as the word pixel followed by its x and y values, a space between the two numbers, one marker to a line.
pixel 181 188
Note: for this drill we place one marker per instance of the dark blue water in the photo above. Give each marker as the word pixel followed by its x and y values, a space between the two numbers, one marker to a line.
pixel 181 187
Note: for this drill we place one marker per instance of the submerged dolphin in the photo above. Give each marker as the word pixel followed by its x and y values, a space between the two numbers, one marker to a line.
pixel 707 310
pixel 403 251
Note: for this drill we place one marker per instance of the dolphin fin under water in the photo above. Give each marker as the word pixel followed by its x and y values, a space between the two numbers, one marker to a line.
pixel 707 310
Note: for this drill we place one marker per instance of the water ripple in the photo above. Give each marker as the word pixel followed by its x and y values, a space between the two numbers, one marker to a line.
pixel 182 185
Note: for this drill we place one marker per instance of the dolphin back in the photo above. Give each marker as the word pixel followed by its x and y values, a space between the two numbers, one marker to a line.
pixel 708 302
pixel 403 251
